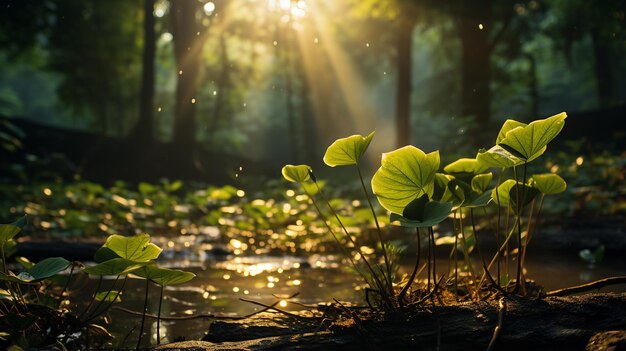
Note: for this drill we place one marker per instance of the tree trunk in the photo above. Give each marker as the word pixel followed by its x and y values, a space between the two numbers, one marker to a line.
pixel 602 69
pixel 143 130
pixel 187 52
pixel 475 23
pixel 404 87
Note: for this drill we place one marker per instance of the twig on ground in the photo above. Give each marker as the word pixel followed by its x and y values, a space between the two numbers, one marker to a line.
pixel 598 284
pixel 498 329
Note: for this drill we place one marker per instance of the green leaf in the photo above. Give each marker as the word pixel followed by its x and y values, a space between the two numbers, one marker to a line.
pixel 164 276
pixel 115 266
pixel 104 254
pixel 347 151
pixel 480 200
pixel 530 142
pixel 465 165
pixel 8 231
pixel 441 185
pixel 434 212
pixel 415 209
pixel 500 194
pixel 109 296
pixel 15 279
pixel 508 125
pixel 135 248
pixel 405 174
pixel 296 174
pixel 48 268
pixel 508 192
pixel 481 182
pixel 497 157
pixel 549 183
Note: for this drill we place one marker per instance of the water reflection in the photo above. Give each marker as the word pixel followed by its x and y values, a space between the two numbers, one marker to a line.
pixel 220 284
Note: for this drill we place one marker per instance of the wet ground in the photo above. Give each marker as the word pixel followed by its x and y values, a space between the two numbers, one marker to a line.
pixel 223 280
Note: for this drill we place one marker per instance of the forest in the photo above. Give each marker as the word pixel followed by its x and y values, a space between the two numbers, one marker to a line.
pixel 312 174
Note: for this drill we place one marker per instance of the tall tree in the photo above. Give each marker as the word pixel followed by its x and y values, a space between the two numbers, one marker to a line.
pixel 145 125
pixel 188 37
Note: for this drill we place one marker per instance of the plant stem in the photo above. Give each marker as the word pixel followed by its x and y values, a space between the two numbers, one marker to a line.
pixel 93 298
pixel 417 262
pixel 67 283
pixel 428 266
pixel 518 282
pixel 356 247
pixel 456 259
pixel 432 243
pixel 159 318
pixel 465 248
pixel 103 300
pixel 143 316
pixel 498 223
pixel 504 247
pixel 380 235
pixel 480 254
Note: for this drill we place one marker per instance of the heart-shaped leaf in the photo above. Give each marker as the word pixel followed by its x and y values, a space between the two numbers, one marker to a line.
pixel 164 276
pixel 480 200
pixel 115 266
pixel 508 193
pixel 347 151
pixel 500 194
pixel 465 165
pixel 136 248
pixel 9 231
pixel 529 142
pixel 404 175
pixel 433 212
pixel 497 157
pixel 508 125
pixel 549 183
pixel 296 174
pixel 481 182
pixel 48 268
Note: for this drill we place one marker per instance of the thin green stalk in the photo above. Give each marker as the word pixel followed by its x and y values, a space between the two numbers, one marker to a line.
pixel 103 300
pixel 380 235
pixel 456 258
pixel 119 292
pixel 502 248
pixel 465 248
pixel 480 254
pixel 332 232
pixel 93 298
pixel 356 247
pixel 417 262
pixel 143 316
pixel 159 317
pixel 428 266
pixel 67 283
pixel 432 243
pixel 518 282
pixel 498 223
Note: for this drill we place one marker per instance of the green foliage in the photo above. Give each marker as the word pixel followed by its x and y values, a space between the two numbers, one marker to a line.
pixel 38 306
pixel 404 175
pixel 347 151
pixel 421 213
pixel 163 276
pixel 549 183
pixel 137 248
pixel 115 266
pixel 530 141
pixel 296 174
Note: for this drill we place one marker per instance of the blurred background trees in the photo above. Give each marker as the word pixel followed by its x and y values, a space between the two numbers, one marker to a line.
pixel 274 81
